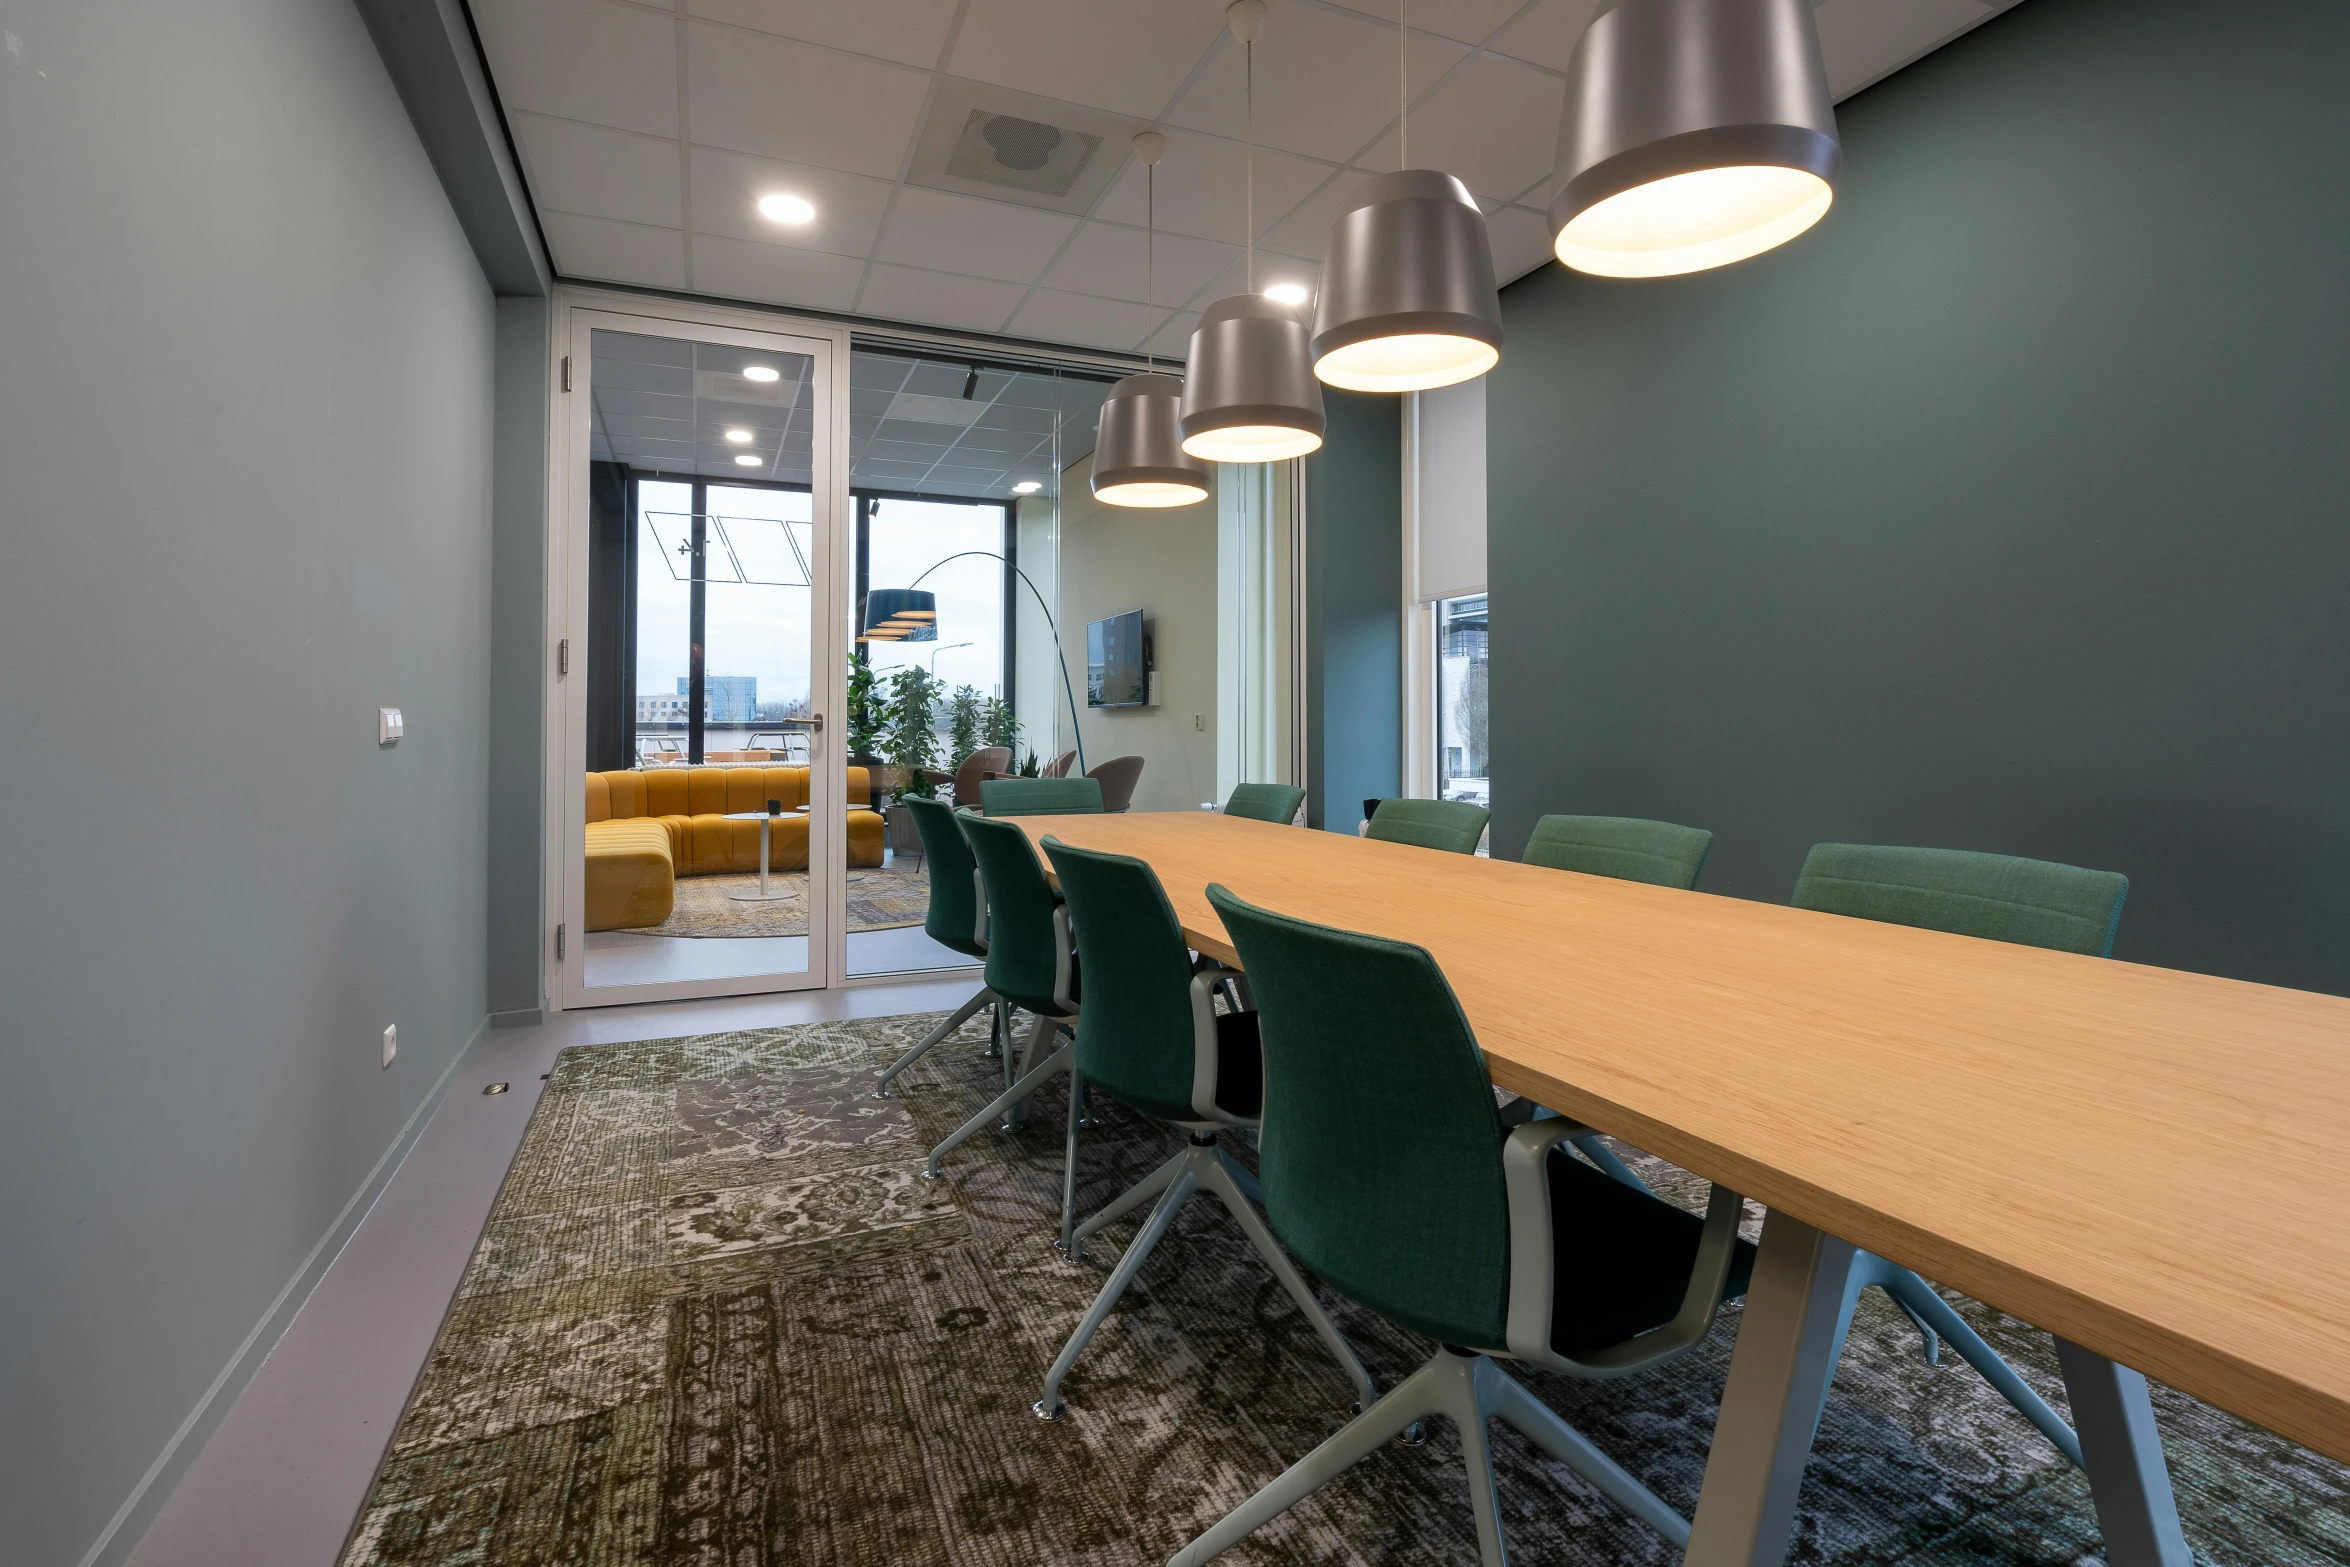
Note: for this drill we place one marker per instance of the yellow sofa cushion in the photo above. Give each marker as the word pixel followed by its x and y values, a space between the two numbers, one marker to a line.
pixel 630 874
pixel 690 806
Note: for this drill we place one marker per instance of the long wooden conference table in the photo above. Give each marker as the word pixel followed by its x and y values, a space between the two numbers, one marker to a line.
pixel 2152 1165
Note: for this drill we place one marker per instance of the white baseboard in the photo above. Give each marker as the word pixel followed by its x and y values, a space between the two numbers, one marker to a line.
pixel 122 1533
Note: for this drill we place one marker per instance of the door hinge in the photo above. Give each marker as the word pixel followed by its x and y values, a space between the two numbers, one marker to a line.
pixel 567 372
pixel 563 657
pixel 558 943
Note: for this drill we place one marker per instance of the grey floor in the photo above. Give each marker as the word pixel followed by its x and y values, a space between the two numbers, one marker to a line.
pixel 284 1474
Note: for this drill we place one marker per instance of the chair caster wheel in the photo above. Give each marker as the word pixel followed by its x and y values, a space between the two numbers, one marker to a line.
pixel 1039 1410
pixel 931 1175
pixel 881 1093
pixel 1413 1435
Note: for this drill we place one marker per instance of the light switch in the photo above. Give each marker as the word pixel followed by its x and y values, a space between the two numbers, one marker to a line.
pixel 388 726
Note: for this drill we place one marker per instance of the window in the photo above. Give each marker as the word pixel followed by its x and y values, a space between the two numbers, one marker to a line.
pixel 1463 771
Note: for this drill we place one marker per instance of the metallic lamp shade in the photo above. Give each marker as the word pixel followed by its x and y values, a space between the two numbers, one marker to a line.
pixel 1138 456
pixel 1407 299
pixel 900 615
pixel 1249 393
pixel 1696 133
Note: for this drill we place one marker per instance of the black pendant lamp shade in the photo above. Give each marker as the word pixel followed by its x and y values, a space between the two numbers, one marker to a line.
pixel 900 615
pixel 1249 393
pixel 1696 133
pixel 1138 455
pixel 1407 301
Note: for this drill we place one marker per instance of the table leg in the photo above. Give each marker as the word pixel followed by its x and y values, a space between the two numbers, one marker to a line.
pixel 1788 1342
pixel 2122 1451
pixel 766 832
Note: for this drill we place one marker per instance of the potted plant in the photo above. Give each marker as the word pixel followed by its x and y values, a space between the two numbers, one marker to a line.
pixel 909 746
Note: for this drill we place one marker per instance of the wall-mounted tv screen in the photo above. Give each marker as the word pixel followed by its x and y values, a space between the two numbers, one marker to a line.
pixel 1114 672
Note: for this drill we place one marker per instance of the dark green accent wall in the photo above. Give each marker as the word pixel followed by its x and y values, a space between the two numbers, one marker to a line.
pixel 1354 581
pixel 2006 510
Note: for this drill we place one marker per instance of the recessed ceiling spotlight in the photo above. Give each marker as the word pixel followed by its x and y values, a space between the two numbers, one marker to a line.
pixel 794 210
pixel 1026 487
pixel 746 460
pixel 761 373
pixel 739 436
pixel 1288 294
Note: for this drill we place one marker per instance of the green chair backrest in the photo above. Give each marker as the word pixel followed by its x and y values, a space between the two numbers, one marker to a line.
pixel 1040 796
pixel 1019 913
pixel 2036 903
pixel 1624 847
pixel 1381 1149
pixel 1452 825
pixel 1265 802
pixel 954 903
pixel 1135 1037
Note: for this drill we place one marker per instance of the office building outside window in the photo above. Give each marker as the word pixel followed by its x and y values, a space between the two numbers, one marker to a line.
pixel 1463 771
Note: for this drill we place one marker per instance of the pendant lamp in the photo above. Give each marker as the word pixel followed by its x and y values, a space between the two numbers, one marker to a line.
pixel 1138 455
pixel 1408 300
pixel 1249 393
pixel 1696 133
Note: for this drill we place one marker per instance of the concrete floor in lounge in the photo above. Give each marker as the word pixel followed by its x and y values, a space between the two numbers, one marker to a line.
pixel 283 1476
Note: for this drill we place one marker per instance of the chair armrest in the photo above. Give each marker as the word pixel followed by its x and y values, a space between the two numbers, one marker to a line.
pixel 1205 1058
pixel 1064 960
pixel 979 902
pixel 1525 1157
pixel 1526 1179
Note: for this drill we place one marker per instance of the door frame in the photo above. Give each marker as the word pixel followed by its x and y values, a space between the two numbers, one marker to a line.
pixel 578 313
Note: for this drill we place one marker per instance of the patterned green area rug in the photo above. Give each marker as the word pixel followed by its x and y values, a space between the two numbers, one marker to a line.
pixel 715 1319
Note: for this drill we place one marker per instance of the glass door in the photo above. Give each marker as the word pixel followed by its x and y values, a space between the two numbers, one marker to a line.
pixel 711 813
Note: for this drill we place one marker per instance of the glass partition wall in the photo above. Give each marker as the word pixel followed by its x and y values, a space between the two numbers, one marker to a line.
pixel 796 603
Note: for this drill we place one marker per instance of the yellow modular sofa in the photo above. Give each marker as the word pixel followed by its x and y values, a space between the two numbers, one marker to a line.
pixel 646 829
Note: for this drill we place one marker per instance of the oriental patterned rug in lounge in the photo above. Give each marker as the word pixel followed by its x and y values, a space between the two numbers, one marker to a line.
pixel 716 1318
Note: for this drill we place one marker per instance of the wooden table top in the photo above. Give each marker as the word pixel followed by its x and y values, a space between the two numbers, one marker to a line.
pixel 2151 1163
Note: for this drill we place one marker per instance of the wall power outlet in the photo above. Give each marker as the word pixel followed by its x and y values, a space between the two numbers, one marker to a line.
pixel 391 1043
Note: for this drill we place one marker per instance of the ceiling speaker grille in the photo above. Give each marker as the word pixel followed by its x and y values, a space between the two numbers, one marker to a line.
pixel 990 141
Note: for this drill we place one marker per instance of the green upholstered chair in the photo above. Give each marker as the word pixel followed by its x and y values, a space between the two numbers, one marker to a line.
pixel 1041 797
pixel 1451 825
pixel 1031 965
pixel 1627 849
pixel 1998 897
pixel 953 922
pixel 1624 847
pixel 1388 1174
pixel 1265 802
pixel 1152 1038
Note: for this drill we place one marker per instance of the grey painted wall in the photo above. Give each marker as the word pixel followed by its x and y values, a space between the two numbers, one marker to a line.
pixel 2004 511
pixel 517 738
pixel 1354 628
pixel 246 374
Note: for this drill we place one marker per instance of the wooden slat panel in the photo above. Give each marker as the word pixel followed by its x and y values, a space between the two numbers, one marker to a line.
pixel 2152 1163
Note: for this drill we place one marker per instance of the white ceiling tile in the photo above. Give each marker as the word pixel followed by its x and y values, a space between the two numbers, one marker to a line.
pixel 909 31
pixel 1124 55
pixel 1306 232
pixel 1050 316
pixel 950 233
pixel 1325 83
pixel 1471 21
pixel 1108 260
pixel 609 252
pixel 937 298
pixel 781 99
pixel 1521 242
pixel 727 187
pixel 1495 125
pixel 775 274
pixel 583 60
pixel 600 173
pixel 1547 35
pixel 1174 339
pixel 1201 188
pixel 1866 39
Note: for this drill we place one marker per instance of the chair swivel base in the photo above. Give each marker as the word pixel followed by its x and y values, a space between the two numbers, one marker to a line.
pixel 1200 1167
pixel 940 1035
pixel 1469 1390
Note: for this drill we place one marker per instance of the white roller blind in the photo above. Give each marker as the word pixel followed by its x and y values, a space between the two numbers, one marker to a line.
pixel 1451 491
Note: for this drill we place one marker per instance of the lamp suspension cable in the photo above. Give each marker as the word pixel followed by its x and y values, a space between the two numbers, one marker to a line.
pixel 1403 84
pixel 1150 263
pixel 1248 52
